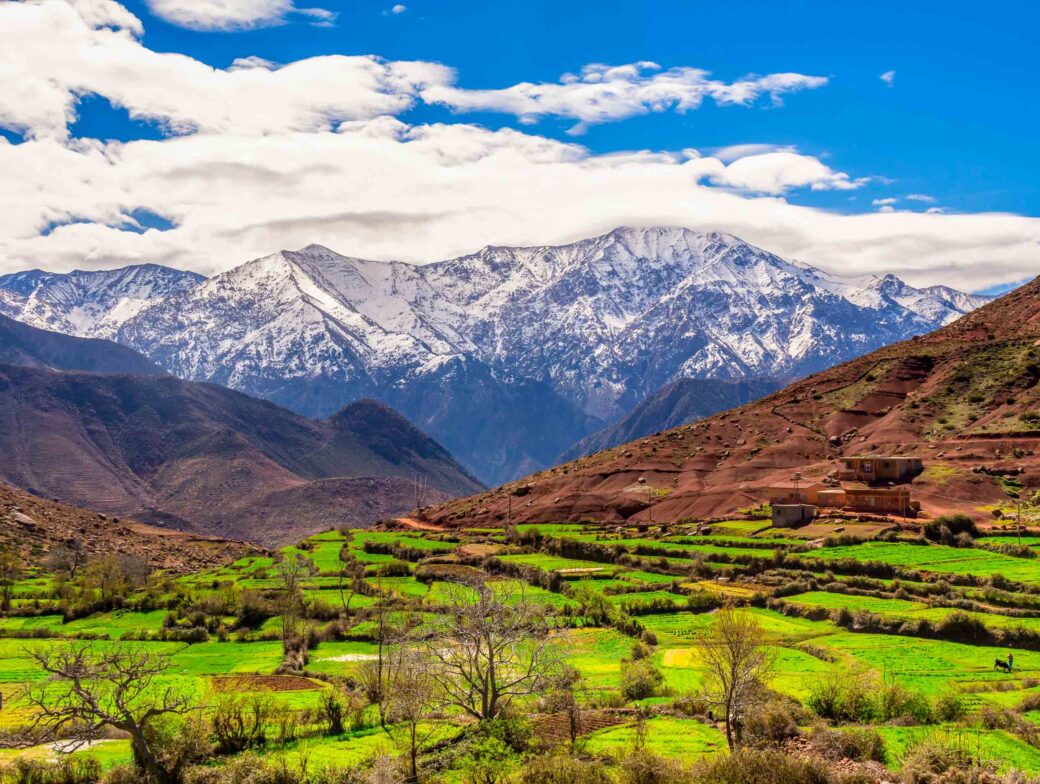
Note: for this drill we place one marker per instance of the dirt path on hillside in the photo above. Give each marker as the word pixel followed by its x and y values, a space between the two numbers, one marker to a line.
pixel 411 522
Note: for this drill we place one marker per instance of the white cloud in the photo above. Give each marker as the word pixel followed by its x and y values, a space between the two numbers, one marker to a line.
pixel 383 189
pixel 52 54
pixel 231 14
pixel 310 152
pixel 888 77
pixel 398 9
pixel 605 93
pixel 921 197
pixel 776 173
pixel 734 152
pixel 886 202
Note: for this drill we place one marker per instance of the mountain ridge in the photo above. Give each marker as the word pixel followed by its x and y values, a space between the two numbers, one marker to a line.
pixel 577 333
pixel 94 424
pixel 964 398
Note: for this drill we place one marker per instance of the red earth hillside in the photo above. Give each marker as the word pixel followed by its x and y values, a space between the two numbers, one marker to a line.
pixel 33 525
pixel 964 398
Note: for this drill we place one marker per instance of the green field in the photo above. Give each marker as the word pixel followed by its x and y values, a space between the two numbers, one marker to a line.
pixel 938 558
pixel 666 605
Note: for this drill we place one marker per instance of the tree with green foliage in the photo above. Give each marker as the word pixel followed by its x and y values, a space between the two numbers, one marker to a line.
pixel 592 604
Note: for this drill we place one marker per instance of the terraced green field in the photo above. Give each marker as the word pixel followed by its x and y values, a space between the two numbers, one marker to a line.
pixel 939 559
pixel 233 616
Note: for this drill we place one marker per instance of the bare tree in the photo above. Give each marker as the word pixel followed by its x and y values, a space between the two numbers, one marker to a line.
pixel 293 569
pixel 115 574
pixel 737 657
pixel 351 577
pixel 90 688
pixel 10 573
pixel 411 696
pixel 375 675
pixel 66 558
pixel 491 647
pixel 565 697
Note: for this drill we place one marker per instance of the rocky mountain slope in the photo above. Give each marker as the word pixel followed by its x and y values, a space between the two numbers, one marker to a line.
pixel 31 526
pixel 684 400
pixel 510 355
pixel 965 398
pixel 88 303
pixel 208 459
pixel 21 344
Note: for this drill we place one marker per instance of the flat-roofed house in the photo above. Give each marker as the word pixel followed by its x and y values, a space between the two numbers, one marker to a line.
pixel 881 500
pixel 831 497
pixel 792 515
pixel 792 492
pixel 879 468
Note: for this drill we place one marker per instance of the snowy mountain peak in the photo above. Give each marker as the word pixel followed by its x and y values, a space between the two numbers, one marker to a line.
pixel 89 303
pixel 507 355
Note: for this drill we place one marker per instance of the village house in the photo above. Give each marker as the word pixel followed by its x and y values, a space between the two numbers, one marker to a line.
pixel 796 492
pixel 792 515
pixel 881 500
pixel 879 468
pixel 865 483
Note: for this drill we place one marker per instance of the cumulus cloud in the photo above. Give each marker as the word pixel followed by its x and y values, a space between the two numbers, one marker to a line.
pixel 231 14
pixel 886 202
pixel 606 93
pixel 54 53
pixel 398 9
pixel 777 172
pixel 888 77
pixel 267 156
pixel 921 197
pixel 383 189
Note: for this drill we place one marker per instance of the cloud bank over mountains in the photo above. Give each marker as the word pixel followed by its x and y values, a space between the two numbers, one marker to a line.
pixel 260 156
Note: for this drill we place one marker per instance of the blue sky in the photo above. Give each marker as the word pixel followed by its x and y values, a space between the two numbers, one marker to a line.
pixel 959 121
pixel 951 129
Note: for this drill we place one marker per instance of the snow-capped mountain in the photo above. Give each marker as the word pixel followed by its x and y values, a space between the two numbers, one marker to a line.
pixel 88 304
pixel 509 355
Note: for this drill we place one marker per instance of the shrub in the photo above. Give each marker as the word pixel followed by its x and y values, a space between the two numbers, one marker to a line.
pixel 950 706
pixel 562 768
pixel 67 770
pixel 762 766
pixel 895 701
pixel 861 744
pixel 842 697
pixel 640 679
pixel 945 528
pixel 942 759
pixel 773 722
pixel 643 767
pixel 240 723
pixel 961 627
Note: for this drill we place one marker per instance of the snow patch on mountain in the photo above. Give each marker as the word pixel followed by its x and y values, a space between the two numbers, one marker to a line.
pixel 593 327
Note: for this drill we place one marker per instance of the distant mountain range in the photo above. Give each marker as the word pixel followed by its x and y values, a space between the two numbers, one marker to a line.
pixel 964 398
pixel 509 356
pixel 200 457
